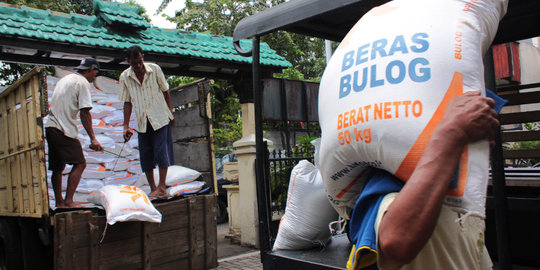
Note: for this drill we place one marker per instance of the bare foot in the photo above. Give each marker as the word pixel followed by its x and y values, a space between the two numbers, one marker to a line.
pixel 158 193
pixel 69 205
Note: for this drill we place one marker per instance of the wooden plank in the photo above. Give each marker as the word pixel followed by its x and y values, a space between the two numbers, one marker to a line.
pixel 146 246
pixel 501 90
pixel 193 155
pixel 212 181
pixel 94 237
pixel 519 136
pixel 40 108
pixel 210 227
pixel 189 124
pixel 22 118
pixel 522 117
pixel 4 180
pixel 191 229
pixel 522 98
pixel 121 253
pixel 35 198
pixel 185 94
pixel 68 245
pixel 58 240
pixel 14 167
pixel 529 153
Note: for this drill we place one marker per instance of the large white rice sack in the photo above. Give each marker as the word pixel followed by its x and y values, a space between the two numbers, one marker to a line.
pixel 111 100
pixel 101 111
pixel 89 185
pixel 388 85
pixel 176 175
pixel 98 157
pixel 116 133
pixel 307 213
pixel 185 189
pixel 107 85
pixel 64 180
pixel 124 178
pixel 96 171
pixel 102 139
pixel 125 203
pixel 98 126
pixel 121 164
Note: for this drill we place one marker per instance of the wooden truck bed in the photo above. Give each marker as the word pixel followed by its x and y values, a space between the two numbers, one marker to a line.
pixel 185 239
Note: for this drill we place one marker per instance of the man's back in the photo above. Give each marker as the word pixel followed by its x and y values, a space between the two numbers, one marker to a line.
pixel 71 94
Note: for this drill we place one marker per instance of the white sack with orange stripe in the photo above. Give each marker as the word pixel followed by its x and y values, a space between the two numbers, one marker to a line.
pixel 125 203
pixel 388 85
pixel 176 175
pixel 307 212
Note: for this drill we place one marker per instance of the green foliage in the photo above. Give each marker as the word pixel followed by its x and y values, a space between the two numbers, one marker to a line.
pixel 220 17
pixel 526 145
pixel 291 74
pixel 304 146
pixel 175 81
pixel 142 10
pixel 10 72
pixel 227 123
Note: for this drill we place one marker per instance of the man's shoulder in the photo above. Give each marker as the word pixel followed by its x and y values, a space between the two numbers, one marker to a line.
pixel 124 73
pixel 153 67
pixel 74 79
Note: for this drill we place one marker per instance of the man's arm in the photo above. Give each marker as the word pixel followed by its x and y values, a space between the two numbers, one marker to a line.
pixel 86 120
pixel 167 96
pixel 411 218
pixel 128 107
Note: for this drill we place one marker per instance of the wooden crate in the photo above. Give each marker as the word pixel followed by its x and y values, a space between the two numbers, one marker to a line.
pixel 185 239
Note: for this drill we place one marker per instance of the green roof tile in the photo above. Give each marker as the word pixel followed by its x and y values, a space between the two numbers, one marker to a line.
pixel 116 13
pixel 93 31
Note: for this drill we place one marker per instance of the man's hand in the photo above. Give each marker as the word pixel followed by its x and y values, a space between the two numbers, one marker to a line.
pixel 171 123
pixel 95 145
pixel 471 117
pixel 127 134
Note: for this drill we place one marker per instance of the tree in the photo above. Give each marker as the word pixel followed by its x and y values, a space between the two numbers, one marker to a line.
pixel 219 17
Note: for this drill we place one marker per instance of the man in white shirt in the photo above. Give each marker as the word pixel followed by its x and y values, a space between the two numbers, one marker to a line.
pixel 71 96
pixel 143 87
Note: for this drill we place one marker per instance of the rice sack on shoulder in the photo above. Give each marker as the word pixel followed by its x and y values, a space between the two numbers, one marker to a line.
pixel 388 85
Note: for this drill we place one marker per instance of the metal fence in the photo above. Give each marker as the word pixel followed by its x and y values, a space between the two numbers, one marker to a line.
pixel 279 164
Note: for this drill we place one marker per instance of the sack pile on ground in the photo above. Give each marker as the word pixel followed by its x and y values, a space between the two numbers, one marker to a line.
pixel 119 163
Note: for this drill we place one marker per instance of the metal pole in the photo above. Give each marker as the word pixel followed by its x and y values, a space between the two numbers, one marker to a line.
pixel 262 198
pixel 499 182
pixel 328 47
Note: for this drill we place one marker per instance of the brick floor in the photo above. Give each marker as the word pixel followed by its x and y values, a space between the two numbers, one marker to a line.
pixel 247 261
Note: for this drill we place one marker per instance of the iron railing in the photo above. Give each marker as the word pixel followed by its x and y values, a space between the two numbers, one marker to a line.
pixel 280 163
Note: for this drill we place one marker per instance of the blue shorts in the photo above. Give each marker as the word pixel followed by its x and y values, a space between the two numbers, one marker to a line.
pixel 155 147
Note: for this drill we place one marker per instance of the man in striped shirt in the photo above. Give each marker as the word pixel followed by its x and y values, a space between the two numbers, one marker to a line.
pixel 143 87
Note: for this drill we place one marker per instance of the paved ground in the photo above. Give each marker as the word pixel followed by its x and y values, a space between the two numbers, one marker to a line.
pixel 233 256
pixel 246 261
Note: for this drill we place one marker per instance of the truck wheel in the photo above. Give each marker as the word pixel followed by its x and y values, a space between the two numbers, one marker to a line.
pixel 10 245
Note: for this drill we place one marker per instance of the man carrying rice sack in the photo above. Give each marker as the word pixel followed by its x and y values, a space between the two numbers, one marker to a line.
pixel 143 87
pixel 71 96
pixel 405 133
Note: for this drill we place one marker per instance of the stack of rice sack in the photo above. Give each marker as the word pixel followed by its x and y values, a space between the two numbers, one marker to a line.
pixel 119 163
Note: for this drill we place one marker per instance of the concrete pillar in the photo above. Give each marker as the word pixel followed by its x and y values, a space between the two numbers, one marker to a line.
pixel 233 202
pixel 249 218
pixel 248 119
